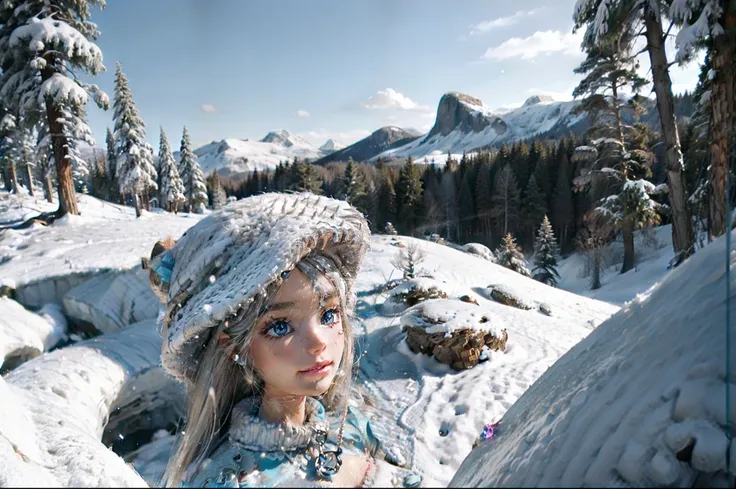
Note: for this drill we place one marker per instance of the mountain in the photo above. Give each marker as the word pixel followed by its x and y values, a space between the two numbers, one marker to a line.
pixel 331 146
pixel 381 140
pixel 464 123
pixel 231 155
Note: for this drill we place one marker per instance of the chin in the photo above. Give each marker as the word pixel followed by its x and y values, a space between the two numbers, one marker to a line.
pixel 316 389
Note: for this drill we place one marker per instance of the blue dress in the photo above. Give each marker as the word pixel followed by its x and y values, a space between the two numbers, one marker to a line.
pixel 255 453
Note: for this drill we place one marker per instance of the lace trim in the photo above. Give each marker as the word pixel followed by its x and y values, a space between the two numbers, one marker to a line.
pixel 253 433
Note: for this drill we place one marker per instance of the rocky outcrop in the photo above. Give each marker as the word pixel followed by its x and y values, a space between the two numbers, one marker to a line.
pixel 536 99
pixel 385 138
pixel 466 113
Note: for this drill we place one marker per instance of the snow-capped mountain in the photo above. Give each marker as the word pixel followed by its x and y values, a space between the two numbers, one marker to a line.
pixel 379 141
pixel 233 155
pixel 464 123
pixel 331 146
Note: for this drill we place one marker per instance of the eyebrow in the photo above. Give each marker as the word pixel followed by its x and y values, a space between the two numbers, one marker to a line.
pixel 279 306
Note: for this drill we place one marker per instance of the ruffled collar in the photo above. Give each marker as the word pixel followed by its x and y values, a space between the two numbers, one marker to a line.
pixel 253 433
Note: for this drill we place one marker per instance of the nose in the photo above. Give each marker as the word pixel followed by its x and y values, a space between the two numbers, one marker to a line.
pixel 313 339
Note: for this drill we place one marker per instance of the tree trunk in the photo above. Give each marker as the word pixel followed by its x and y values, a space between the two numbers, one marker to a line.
pixel 13 177
pixel 138 210
pixel 48 189
pixel 596 282
pixel 122 198
pixel 682 233
pixel 628 236
pixel 722 125
pixel 67 196
pixel 30 178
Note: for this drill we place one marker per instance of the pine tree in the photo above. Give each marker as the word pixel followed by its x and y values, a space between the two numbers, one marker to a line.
pixel 466 205
pixel 172 189
pixel 510 256
pixel 409 195
pixel 546 255
pixel 616 24
pixel 562 203
pixel 134 156
pixel 45 168
pixel 111 170
pixel 42 46
pixel 195 189
pixel 449 199
pixel 215 193
pixel 505 201
pixel 307 178
pixel 533 206
pixel 353 187
pixel 387 198
pixel 484 202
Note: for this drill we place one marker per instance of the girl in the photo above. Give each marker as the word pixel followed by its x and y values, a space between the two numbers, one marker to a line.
pixel 257 298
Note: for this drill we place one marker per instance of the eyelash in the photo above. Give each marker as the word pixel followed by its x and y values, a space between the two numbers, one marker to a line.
pixel 335 311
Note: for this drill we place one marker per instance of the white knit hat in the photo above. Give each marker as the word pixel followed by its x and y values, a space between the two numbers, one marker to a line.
pixel 223 261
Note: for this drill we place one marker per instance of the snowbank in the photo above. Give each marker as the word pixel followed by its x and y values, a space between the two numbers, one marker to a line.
pixel 111 301
pixel 24 334
pixel 642 390
pixel 59 404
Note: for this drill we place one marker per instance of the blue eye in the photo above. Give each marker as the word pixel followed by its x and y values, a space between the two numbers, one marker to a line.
pixel 330 316
pixel 278 329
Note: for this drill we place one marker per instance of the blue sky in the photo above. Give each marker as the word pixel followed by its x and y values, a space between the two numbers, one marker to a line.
pixel 330 69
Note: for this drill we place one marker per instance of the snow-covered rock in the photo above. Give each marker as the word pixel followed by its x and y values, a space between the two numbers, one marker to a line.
pixel 448 316
pixel 509 296
pixel 415 290
pixel 111 300
pixel 640 402
pixel 59 405
pixel 479 250
pixel 24 334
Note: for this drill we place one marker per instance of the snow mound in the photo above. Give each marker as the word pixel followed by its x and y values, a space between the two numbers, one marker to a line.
pixel 479 250
pixel 640 402
pixel 24 334
pixel 448 316
pixel 509 296
pixel 59 404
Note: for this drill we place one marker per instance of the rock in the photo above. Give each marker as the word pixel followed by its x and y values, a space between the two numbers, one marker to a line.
pixel 416 290
pixel 459 111
pixel 412 480
pixel 507 296
pixel 545 309
pixel 468 299
pixel 480 250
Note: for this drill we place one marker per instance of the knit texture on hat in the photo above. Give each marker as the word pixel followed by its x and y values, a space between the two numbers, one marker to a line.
pixel 223 261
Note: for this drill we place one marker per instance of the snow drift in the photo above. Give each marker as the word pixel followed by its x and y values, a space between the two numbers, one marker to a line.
pixel 640 402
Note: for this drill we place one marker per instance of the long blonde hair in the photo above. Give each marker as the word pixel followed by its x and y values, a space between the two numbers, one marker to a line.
pixel 220 382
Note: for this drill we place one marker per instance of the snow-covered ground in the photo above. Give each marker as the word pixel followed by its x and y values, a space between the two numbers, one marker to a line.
pixel 641 402
pixel 425 412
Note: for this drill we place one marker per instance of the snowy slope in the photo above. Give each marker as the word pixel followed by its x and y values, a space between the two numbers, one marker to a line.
pixel 243 156
pixel 537 115
pixel 641 402
pixel 425 413
pixel 105 236
pixel 331 146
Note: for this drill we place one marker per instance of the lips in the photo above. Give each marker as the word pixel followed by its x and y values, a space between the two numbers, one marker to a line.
pixel 319 367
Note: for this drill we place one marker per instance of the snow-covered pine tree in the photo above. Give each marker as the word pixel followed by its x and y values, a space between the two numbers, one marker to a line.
pixel 307 178
pixel 8 129
pixel 510 256
pixel 172 189
pixel 45 168
pixel 216 195
pixel 195 189
pixel 546 255
pixel 626 20
pixel 387 197
pixel 612 159
pixel 134 156
pixel 25 149
pixel 43 43
pixel 111 170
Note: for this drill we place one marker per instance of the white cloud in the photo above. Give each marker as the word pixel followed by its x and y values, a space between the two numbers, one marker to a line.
pixel 540 42
pixel 208 108
pixel 391 99
pixel 320 136
pixel 488 25
pixel 302 113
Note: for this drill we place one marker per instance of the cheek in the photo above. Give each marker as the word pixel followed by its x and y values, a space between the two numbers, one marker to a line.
pixel 266 354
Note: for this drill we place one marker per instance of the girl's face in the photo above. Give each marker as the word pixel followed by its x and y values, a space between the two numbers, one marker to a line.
pixel 299 341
